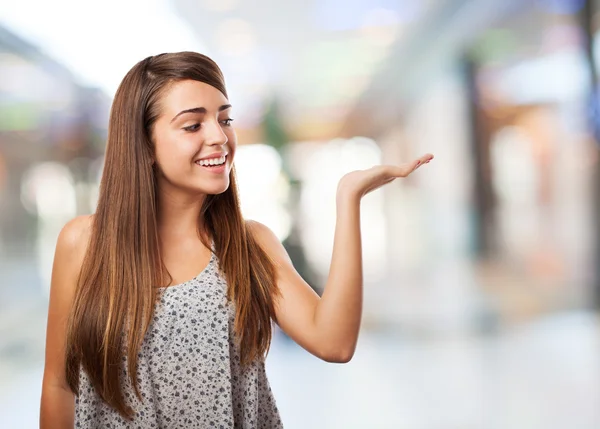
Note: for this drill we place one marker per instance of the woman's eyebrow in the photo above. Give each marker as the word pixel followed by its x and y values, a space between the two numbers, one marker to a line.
pixel 201 110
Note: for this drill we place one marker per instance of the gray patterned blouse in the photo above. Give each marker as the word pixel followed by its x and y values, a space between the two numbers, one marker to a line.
pixel 189 372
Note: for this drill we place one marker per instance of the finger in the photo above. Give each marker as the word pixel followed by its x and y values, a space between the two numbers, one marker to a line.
pixel 422 160
pixel 402 170
pixel 426 158
pixel 406 169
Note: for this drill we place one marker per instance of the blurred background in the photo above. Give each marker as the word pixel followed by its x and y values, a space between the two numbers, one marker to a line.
pixel 482 269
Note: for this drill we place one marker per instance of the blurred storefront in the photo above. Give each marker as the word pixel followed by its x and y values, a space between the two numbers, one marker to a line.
pixel 499 92
pixel 52 131
pixel 533 148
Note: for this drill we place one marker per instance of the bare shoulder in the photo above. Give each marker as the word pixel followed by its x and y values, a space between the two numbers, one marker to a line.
pixel 260 230
pixel 71 247
pixel 268 240
pixel 76 233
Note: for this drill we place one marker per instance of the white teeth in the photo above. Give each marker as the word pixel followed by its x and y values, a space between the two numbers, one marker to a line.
pixel 212 161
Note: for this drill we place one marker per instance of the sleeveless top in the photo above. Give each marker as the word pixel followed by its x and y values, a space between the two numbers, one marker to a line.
pixel 189 370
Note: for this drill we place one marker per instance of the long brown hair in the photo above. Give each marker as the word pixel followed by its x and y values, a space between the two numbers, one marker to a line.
pixel 118 283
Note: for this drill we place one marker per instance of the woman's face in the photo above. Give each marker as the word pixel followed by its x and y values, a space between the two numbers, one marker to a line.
pixel 193 138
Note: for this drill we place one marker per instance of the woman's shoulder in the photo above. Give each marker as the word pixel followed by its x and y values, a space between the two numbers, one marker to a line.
pixel 73 240
pixel 71 247
pixel 267 240
pixel 75 234
pixel 261 232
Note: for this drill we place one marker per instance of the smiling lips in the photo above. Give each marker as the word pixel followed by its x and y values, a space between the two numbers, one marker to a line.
pixel 212 161
pixel 214 165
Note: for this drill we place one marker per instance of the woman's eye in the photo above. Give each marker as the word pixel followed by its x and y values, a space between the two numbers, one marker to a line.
pixel 192 128
pixel 227 122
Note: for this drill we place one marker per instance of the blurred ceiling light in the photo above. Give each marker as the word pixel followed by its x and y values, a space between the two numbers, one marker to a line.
pixel 48 191
pixel 258 164
pixel 329 162
pixel 361 152
pixel 320 173
pixel 76 34
pixel 560 76
pixel 219 5
pixel 236 37
pixel 263 191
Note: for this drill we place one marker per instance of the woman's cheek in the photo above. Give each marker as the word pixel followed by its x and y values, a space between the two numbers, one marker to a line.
pixel 232 146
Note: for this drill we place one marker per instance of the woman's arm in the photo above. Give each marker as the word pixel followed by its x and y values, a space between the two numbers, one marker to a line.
pixel 328 326
pixel 57 401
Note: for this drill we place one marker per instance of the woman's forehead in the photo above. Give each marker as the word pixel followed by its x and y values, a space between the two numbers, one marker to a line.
pixel 189 94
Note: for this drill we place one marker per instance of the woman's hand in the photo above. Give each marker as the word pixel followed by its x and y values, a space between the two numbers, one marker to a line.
pixel 360 182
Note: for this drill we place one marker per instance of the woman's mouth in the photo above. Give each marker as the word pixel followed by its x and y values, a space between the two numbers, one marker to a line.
pixel 214 165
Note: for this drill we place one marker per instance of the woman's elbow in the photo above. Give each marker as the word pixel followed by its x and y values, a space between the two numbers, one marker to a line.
pixel 338 355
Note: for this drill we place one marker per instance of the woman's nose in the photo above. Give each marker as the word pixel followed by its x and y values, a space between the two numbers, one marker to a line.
pixel 215 134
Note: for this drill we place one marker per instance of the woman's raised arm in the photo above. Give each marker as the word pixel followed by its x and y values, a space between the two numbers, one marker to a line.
pixel 328 326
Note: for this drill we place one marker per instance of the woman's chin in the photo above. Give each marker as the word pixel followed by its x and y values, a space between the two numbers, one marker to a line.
pixel 214 189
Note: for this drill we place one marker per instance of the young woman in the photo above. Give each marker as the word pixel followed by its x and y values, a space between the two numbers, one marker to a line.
pixel 161 302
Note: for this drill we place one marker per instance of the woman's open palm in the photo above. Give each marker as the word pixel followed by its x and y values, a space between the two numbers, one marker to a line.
pixel 361 182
